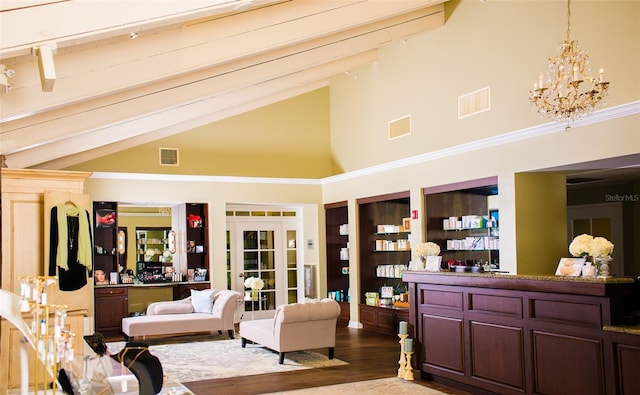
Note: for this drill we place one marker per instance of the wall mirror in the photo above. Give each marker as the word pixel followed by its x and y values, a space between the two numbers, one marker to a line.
pixel 150 241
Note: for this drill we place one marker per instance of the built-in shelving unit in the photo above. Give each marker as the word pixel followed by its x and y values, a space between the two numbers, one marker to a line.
pixel 463 219
pixel 197 236
pixel 105 234
pixel 153 256
pixel 337 239
pixel 385 252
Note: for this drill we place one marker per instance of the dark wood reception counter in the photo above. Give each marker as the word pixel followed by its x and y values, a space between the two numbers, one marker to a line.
pixel 523 334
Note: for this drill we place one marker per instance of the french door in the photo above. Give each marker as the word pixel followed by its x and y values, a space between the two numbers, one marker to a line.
pixel 267 250
pixel 604 220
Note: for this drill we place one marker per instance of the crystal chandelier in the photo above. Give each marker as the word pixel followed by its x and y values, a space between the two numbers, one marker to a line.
pixel 567 92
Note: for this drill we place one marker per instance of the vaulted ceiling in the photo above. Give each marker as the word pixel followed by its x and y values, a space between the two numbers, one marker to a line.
pixel 191 63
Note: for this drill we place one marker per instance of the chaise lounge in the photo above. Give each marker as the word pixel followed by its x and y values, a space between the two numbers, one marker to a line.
pixel 204 311
pixel 295 327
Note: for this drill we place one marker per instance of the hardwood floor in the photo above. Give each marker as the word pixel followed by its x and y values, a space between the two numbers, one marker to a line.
pixel 370 355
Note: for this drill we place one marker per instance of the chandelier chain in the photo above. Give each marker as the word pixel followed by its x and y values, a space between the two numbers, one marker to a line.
pixel 568 20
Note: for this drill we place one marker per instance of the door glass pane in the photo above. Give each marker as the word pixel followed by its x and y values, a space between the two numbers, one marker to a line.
pixel 250 240
pixel 601 227
pixel 269 279
pixel 292 279
pixel 292 296
pixel 250 260
pixel 292 259
pixel 268 260
pixel 581 226
pixel 266 239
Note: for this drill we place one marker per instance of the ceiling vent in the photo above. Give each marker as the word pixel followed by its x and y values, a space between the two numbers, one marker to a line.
pixel 168 157
pixel 400 127
pixel 474 103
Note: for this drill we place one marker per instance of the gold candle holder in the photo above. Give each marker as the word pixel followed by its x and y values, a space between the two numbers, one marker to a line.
pixel 408 372
pixel 402 362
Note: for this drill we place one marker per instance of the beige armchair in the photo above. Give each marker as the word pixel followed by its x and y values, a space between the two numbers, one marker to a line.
pixel 295 327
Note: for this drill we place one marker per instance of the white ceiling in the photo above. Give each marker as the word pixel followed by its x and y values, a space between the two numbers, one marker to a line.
pixel 193 62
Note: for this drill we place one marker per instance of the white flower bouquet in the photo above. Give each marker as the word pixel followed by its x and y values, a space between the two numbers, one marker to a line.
pixel 581 245
pixel 254 283
pixel 597 247
pixel 601 247
pixel 427 249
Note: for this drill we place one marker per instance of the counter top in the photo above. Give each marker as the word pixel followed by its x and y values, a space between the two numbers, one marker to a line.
pixel 526 282
pixel 627 329
pixel 149 285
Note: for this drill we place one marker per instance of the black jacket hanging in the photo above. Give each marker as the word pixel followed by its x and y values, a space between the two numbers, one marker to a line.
pixel 75 277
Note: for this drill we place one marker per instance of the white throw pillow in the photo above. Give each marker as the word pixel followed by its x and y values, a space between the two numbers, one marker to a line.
pixel 202 301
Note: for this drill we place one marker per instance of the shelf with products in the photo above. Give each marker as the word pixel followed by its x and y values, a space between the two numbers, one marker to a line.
pixel 197 257
pixel 385 253
pixel 337 243
pixel 105 237
pixel 154 258
pixel 463 220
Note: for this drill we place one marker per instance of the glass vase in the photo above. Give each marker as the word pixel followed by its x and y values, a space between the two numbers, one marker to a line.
pixel 589 270
pixel 604 266
pixel 254 294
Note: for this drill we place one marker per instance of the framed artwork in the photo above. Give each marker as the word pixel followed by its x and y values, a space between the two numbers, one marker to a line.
pixel 310 281
pixel 386 292
pixel 406 224
pixel 105 218
pixel 571 267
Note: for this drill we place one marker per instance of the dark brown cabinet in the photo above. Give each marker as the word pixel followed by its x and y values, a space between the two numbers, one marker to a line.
pixel 345 314
pixel 385 253
pixel 523 335
pixel 337 239
pixel 182 291
pixel 382 319
pixel 105 237
pixel 111 306
pixel 197 236
pixel 626 355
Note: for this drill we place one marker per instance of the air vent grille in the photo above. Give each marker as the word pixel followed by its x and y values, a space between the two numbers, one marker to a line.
pixel 474 102
pixel 400 127
pixel 168 157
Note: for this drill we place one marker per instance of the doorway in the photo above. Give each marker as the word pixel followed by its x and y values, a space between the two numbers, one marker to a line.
pixel 264 244
pixel 603 220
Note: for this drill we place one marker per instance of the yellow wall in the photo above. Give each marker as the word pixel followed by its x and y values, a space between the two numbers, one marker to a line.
pixel 286 139
pixel 541 221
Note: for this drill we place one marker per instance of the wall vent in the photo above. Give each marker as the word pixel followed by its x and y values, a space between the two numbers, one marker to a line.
pixel 400 127
pixel 168 157
pixel 474 103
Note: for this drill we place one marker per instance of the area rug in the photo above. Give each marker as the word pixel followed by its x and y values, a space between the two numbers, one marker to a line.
pixel 196 359
pixel 393 386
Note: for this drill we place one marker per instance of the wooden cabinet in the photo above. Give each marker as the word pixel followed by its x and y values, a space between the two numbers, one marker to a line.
pixel 111 306
pixel 182 291
pixel 27 196
pixel 462 219
pixel 193 258
pixel 522 335
pixel 382 319
pixel 337 238
pixel 345 314
pixel 626 354
pixel 384 254
pixel 105 235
